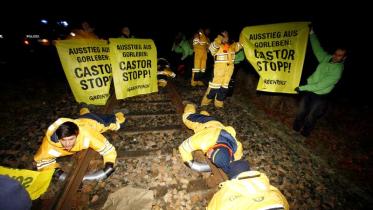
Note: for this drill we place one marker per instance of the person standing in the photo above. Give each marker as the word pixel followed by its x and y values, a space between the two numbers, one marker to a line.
pixel 126 32
pixel 224 53
pixel 314 102
pixel 184 51
pixel 200 47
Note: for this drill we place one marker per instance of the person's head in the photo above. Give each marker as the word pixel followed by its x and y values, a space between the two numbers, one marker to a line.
pixel 339 55
pixel 126 31
pixel 162 63
pixel 13 195
pixel 207 31
pixel 179 37
pixel 225 35
pixel 67 133
pixel 221 156
pixel 86 26
pixel 237 167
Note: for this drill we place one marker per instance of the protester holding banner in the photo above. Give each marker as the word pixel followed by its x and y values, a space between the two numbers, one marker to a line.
pixel 247 189
pixel 315 98
pixel 224 54
pixel 67 136
pixel 200 47
pixel 126 32
pixel 276 52
pixel 217 141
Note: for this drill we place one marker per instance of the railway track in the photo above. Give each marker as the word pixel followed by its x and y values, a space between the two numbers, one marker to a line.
pixel 150 160
pixel 151 134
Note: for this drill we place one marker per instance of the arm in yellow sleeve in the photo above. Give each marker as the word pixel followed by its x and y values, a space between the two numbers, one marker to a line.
pixel 43 158
pixel 186 150
pixel 214 46
pixel 101 145
pixel 239 153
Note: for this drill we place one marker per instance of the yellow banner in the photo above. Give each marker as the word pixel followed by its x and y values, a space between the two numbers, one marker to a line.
pixel 87 67
pixel 35 182
pixel 134 66
pixel 277 53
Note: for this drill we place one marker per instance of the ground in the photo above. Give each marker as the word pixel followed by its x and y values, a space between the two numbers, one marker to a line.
pixel 305 169
pixel 342 137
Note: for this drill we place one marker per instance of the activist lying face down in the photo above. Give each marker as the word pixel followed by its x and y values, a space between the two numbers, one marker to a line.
pixel 67 136
pixel 164 72
pixel 217 141
pixel 247 189
pixel 224 53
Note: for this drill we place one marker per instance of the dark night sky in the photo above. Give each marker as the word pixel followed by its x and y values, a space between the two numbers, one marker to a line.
pixel 336 22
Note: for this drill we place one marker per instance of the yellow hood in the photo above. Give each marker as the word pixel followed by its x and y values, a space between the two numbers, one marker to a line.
pixel 52 129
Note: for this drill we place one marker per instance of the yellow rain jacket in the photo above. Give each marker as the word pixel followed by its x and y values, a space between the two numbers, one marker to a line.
pixel 200 46
pixel 89 137
pixel 224 56
pixel 208 132
pixel 249 191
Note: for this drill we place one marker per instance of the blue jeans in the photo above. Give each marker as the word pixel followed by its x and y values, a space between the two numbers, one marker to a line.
pixel 312 107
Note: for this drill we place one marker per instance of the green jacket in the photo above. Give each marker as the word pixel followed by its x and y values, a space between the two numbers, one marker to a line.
pixel 184 48
pixel 240 56
pixel 327 73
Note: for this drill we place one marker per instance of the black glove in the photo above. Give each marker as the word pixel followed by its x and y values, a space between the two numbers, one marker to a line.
pixel 59 174
pixel 297 89
pixel 109 168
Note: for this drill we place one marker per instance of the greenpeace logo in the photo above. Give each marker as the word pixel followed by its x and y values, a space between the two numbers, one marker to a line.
pixel 137 87
pixel 274 82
